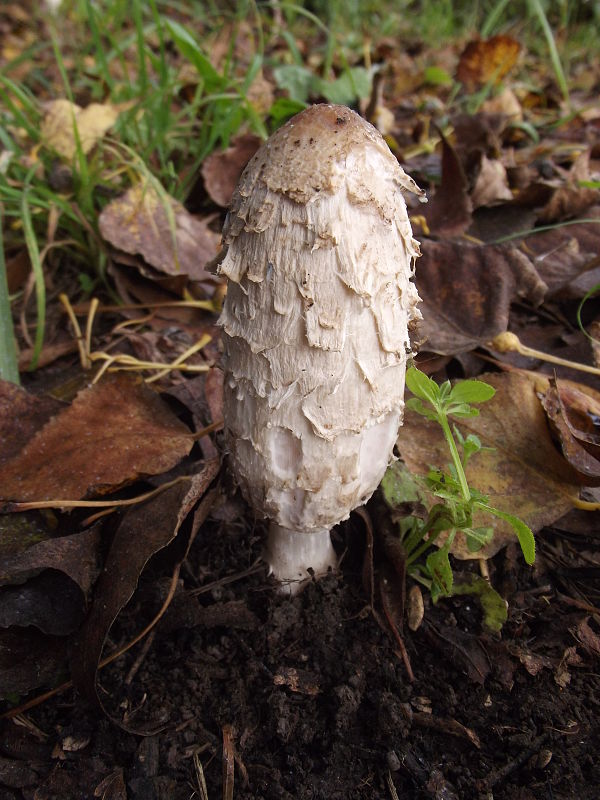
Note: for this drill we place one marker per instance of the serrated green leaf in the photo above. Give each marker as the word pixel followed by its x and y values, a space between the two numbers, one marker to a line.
pixel 422 386
pixel 494 608
pixel 461 410
pixel 445 389
pixel 473 442
pixel 399 486
pixel 471 391
pixel 416 404
pixel 438 566
pixel 523 531
pixel 470 445
pixel 478 537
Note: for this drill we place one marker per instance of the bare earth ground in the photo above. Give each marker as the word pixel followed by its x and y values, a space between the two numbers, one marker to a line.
pixel 308 697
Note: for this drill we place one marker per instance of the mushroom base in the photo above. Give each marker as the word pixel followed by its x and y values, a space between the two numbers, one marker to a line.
pixel 290 554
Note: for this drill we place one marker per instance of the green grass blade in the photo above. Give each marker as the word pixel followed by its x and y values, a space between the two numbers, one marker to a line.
pixel 40 285
pixel 141 47
pixel 161 66
pixel 100 54
pixel 9 369
pixel 189 48
pixel 536 8
pixel 493 18
pixel 542 228
pixel 588 295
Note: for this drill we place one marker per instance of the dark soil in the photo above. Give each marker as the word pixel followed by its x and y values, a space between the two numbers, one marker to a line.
pixel 310 698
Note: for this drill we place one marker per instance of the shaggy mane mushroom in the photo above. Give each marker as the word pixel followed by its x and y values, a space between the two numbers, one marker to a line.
pixel 319 255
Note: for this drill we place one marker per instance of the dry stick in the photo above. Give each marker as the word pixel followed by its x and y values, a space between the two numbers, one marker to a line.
pixel 498 775
pixel 398 638
pixel 228 763
pixel 573 601
pixel 200 777
pixel 125 362
pixel 391 787
pixel 179 361
pixel 107 504
pixel 83 353
pixel 258 566
pixel 510 343
pixel 57 503
pixel 371 587
pixel 205 305
pixel 368 575
pixel 140 659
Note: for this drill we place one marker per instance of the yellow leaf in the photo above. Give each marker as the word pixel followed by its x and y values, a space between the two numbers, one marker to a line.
pixel 92 123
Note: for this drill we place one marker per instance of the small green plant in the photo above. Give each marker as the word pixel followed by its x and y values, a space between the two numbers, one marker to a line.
pixel 457 500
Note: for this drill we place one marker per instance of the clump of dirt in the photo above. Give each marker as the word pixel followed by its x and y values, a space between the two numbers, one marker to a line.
pixel 266 697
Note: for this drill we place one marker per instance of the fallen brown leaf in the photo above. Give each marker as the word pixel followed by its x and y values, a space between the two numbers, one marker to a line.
pixel 581 405
pixel 590 640
pixel 112 787
pixel 506 103
pixel 18 268
pixel 29 659
pixel 221 170
pixel 571 199
pixel 491 186
pixel 143 531
pixel 476 135
pixel 76 555
pixel 161 230
pixel 486 60
pixel 21 415
pixel 571 412
pixel 448 212
pixel 566 258
pixel 467 291
pixel 113 433
pixel 50 602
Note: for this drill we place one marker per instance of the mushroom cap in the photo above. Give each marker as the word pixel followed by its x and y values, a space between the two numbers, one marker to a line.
pixel 303 157
pixel 319 254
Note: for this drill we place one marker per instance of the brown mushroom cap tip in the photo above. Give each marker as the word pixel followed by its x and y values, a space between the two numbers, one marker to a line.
pixel 303 157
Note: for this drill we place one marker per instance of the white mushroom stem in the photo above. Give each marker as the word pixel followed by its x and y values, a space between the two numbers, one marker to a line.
pixel 319 256
pixel 291 554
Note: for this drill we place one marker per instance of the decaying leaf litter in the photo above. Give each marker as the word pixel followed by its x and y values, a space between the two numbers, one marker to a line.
pixel 114 485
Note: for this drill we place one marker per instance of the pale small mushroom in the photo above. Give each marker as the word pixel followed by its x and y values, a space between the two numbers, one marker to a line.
pixel 319 254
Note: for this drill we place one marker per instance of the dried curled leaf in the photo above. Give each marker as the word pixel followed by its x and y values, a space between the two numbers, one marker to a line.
pixel 573 411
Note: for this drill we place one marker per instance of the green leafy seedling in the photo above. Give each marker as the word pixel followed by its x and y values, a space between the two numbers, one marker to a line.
pixel 457 501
